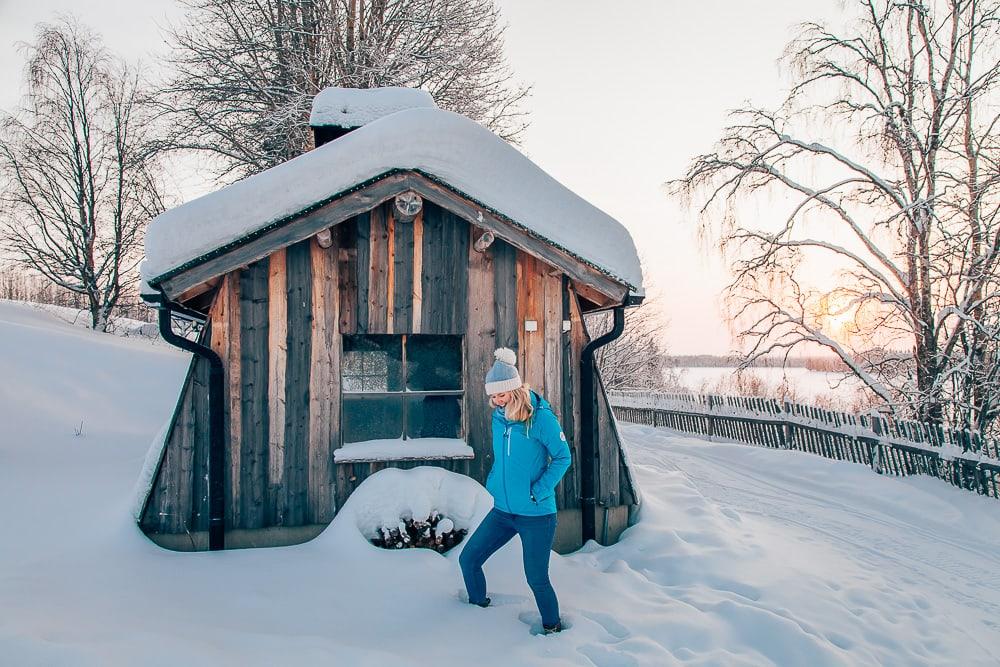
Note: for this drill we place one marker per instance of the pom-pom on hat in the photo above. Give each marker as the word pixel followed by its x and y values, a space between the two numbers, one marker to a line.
pixel 503 376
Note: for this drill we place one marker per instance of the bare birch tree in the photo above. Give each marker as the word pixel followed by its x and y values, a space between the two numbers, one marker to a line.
pixel 888 138
pixel 246 71
pixel 77 184
pixel 636 359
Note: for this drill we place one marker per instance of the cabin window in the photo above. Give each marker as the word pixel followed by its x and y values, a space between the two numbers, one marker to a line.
pixel 401 387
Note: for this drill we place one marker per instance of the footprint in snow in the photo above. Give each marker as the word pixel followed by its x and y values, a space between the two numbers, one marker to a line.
pixel 496 599
pixel 534 621
pixel 732 514
pixel 609 624
pixel 602 656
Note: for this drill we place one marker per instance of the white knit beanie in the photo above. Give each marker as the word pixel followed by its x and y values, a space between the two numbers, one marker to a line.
pixel 503 376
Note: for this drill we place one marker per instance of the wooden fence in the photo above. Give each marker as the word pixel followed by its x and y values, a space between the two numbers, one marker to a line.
pixel 887 445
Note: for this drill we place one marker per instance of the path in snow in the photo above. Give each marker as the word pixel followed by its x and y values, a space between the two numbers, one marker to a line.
pixel 742 556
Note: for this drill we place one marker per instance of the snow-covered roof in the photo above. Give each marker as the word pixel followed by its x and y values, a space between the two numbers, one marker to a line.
pixel 443 145
pixel 353 107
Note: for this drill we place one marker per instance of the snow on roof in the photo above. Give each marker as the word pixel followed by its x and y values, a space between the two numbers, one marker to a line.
pixel 353 107
pixel 441 144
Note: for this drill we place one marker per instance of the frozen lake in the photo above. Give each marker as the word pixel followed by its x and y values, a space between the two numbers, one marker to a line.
pixel 801 384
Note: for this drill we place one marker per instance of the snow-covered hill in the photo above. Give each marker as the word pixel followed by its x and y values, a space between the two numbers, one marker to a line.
pixel 742 556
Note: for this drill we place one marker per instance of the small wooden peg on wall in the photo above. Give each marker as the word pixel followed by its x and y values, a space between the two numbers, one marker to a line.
pixel 324 238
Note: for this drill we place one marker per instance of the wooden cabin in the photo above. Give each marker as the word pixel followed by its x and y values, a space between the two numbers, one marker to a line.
pixel 355 296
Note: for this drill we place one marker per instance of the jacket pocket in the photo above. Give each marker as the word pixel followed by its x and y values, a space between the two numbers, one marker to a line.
pixel 491 481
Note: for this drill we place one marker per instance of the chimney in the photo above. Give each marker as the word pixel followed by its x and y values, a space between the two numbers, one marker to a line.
pixel 337 111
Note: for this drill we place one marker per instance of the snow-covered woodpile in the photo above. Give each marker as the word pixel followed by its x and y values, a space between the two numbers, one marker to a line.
pixel 438 532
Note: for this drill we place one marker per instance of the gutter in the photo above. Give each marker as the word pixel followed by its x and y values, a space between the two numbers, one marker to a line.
pixel 589 453
pixel 216 440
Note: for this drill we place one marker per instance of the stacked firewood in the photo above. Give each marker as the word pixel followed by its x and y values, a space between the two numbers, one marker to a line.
pixel 438 532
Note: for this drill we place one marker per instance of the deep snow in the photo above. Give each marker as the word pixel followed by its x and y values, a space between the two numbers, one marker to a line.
pixel 742 556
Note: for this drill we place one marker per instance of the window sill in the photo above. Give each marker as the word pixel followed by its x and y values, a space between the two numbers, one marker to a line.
pixel 417 449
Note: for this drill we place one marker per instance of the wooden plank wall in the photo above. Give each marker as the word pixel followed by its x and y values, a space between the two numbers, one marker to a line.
pixel 433 282
pixel 253 393
pixel 278 325
pixel 278 361
pixel 184 465
pixel 404 277
pixel 299 292
pixel 531 308
pixel 324 387
pixel 445 268
pixel 479 345
pixel 573 343
pixel 505 293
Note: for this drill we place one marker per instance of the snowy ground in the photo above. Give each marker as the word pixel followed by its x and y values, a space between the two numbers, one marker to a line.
pixel 742 556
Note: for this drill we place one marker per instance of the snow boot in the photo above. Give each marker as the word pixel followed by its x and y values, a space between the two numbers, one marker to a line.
pixel 484 603
pixel 552 629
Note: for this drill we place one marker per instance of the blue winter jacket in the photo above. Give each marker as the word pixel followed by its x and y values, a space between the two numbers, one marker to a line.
pixel 528 462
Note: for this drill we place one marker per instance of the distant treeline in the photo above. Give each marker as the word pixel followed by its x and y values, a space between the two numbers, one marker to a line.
pixel 813 363
pixel 17 284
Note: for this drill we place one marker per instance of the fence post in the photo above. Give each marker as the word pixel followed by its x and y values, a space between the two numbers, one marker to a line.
pixel 876 452
pixel 785 411
pixel 711 417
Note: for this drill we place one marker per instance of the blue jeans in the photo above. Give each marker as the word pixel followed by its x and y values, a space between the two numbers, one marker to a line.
pixel 496 530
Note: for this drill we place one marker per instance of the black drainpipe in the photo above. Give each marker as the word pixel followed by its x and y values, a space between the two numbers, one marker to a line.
pixel 589 454
pixel 216 441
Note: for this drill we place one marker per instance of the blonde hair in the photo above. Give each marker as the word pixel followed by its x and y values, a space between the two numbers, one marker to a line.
pixel 519 407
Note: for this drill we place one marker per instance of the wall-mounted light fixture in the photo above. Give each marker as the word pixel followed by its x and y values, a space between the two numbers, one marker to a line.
pixel 408 205
pixel 484 241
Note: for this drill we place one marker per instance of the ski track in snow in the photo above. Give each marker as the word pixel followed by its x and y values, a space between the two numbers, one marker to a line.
pixel 742 555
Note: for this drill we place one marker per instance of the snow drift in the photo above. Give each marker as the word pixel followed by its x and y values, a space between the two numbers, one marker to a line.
pixel 742 556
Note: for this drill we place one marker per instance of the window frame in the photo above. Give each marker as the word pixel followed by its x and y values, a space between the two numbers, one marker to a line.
pixel 405 394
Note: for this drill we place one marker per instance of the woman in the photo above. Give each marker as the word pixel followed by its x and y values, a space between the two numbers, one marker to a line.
pixel 530 456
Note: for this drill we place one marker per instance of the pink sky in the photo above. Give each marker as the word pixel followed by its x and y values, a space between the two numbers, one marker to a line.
pixel 625 94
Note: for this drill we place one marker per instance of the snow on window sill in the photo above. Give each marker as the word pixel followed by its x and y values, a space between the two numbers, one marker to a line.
pixel 395 449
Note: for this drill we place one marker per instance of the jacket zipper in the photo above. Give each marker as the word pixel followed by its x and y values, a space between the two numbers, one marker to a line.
pixel 506 435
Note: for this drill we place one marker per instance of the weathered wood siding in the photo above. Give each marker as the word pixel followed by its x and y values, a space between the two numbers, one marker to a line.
pixel 253 396
pixel 573 342
pixel 278 325
pixel 479 345
pixel 178 500
pixel 324 383
pixel 444 278
pixel 295 486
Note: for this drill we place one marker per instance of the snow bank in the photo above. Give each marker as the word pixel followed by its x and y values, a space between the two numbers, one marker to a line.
pixel 440 144
pixel 353 107
pixel 391 494
pixel 742 556
pixel 397 450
